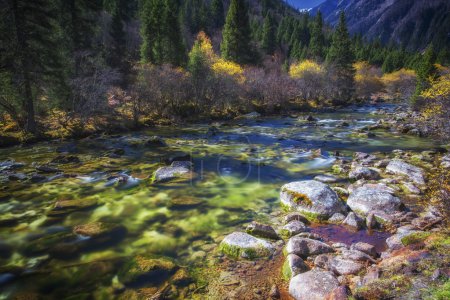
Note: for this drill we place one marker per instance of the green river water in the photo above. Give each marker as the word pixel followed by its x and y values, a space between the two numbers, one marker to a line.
pixel 239 172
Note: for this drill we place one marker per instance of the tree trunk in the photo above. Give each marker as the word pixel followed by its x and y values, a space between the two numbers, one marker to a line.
pixel 27 102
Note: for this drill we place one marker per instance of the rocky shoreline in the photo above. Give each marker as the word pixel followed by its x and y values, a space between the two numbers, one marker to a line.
pixel 369 192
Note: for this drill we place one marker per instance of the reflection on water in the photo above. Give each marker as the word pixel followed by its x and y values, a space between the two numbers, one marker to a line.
pixel 239 171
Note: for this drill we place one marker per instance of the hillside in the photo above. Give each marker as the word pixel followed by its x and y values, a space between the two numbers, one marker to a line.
pixel 413 24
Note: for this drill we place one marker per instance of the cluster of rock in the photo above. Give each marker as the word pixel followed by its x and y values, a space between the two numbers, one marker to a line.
pixel 320 270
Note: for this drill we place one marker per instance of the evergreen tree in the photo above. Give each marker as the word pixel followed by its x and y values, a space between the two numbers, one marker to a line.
pixel 268 35
pixel 425 69
pixel 340 56
pixel 116 54
pixel 317 42
pixel 30 57
pixel 393 61
pixel 217 12
pixel 152 31
pixel 174 51
pixel 236 34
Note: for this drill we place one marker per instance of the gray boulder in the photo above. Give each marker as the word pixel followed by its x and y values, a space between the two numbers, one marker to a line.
pixel 342 266
pixel 399 167
pixel 293 265
pixel 360 172
pixel 353 220
pixel 313 285
pixel 293 228
pixel 242 245
pixel 312 198
pixel 305 247
pixel 364 200
pixel 364 247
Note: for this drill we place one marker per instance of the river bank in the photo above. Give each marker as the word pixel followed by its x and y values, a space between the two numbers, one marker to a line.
pixel 150 209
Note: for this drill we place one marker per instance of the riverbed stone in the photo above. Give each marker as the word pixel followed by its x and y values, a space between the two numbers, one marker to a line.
pixel 314 199
pixel 100 232
pixel 337 218
pixel 354 221
pixel 295 216
pixel 242 245
pixel 145 269
pixel 292 266
pixel 323 261
pixel 411 188
pixel 305 247
pixel 357 255
pixel 342 266
pixel 325 178
pixel 293 228
pixel 400 167
pixel 47 169
pixel 312 285
pixel 164 174
pixel 364 247
pixel 261 230
pixel 364 200
pixel 361 172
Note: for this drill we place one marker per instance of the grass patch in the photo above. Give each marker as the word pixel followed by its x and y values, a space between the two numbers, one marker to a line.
pixel 385 288
pixel 414 238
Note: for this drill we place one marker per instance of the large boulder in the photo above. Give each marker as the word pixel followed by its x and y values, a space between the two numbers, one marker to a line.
pixel 312 198
pixel 312 285
pixel 397 166
pixel 243 245
pixel 364 200
pixel 305 247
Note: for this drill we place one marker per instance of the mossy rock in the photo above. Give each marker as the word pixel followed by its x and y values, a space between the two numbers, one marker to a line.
pixel 61 244
pixel 184 202
pixel 238 245
pixel 100 232
pixel 414 238
pixel 143 270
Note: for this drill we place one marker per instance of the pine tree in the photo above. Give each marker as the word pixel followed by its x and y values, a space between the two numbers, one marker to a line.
pixel 174 51
pixel 33 62
pixel 217 12
pixel 268 35
pixel 425 69
pixel 340 56
pixel 152 31
pixel 317 43
pixel 116 54
pixel 236 34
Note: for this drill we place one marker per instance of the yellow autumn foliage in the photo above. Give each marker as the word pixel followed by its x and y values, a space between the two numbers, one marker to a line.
pixel 367 80
pixel 400 84
pixel 304 68
pixel 221 66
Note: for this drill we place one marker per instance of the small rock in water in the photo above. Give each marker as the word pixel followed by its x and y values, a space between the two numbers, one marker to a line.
pixel 47 169
pixel 243 245
pixel 336 218
pixel 66 159
pixel 310 118
pixel 326 178
pixel 365 247
pixel 293 265
pixel 354 221
pixel 262 230
pixel 293 228
pixel 305 247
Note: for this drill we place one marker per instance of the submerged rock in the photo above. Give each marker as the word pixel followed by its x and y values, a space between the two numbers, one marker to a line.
pixel 101 232
pixel 305 247
pixel 66 159
pixel 312 198
pixel 143 270
pixel 155 141
pixel 242 245
pixel 262 230
pixel 47 169
pixel 313 285
pixel 399 167
pixel 9 165
pixel 364 200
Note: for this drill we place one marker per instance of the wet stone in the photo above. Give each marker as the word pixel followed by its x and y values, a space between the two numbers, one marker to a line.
pixel 364 247
pixel 293 228
pixel 305 247
pixel 47 169
pixel 243 245
pixel 312 285
pixel 293 265
pixel 261 230
pixel 354 221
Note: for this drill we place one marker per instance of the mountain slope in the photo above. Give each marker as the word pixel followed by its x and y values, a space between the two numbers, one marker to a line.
pixel 413 24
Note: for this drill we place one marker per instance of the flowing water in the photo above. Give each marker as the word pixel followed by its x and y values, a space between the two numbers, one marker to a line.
pixel 239 171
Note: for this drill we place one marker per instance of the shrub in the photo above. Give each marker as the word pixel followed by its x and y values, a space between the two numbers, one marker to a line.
pixel 305 69
pixel 400 85
pixel 367 80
